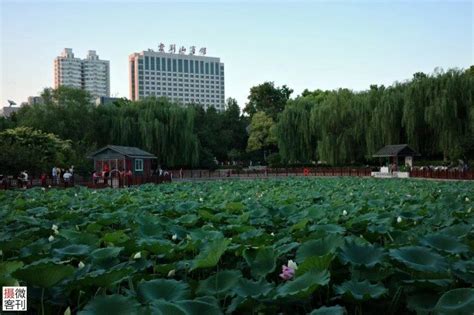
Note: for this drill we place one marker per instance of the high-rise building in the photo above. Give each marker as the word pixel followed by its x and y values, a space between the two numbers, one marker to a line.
pixel 180 77
pixel 90 74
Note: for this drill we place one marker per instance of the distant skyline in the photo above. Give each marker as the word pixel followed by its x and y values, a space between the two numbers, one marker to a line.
pixel 313 45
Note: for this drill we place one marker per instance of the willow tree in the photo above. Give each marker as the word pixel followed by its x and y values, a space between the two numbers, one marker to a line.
pixel 333 124
pixel 295 140
pixel 161 127
pixel 448 110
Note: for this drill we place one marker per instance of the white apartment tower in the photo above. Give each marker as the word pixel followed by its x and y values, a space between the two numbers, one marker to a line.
pixel 183 78
pixel 90 74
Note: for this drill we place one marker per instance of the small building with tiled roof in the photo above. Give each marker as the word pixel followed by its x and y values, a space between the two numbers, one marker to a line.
pixel 397 150
pixel 121 158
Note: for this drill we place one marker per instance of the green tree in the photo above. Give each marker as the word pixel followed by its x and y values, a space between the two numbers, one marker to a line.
pixel 267 98
pixel 262 132
pixel 25 148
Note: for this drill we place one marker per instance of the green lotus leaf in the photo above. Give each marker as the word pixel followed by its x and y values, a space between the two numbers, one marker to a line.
pixel 115 237
pixel 445 243
pixel 318 247
pixel 43 275
pixel 422 303
pixel 166 289
pixel 187 206
pixel 317 263
pixel 105 253
pixel 303 285
pixel 464 270
pixel 6 269
pixel 103 278
pixel 72 250
pixel 261 261
pixel 254 289
pixel 111 304
pixel 365 255
pixel 188 219
pixel 210 254
pixel 197 307
pixel 328 228
pixel 329 310
pixel 419 258
pixel 220 283
pixel 234 207
pixel 155 246
pixel 82 237
pixel 456 302
pixel 361 290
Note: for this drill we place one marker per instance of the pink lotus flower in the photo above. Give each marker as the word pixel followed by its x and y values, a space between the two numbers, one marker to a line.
pixel 287 272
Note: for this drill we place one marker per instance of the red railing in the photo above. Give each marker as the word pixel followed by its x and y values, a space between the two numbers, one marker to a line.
pixel 442 174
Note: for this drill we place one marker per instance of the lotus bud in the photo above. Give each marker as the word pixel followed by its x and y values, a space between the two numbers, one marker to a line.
pixel 272 234
pixel 399 220
pixel 469 210
pixel 49 186
pixel 75 195
pixel 51 238
pixel 466 199
pixel 137 255
pixel 81 265
pixel 56 232
pixel 200 199
pixel 54 227
pixel 43 189
pixel 174 237
pixel 292 264
pixel 171 273
pixel 1 252
pixel 344 213
pixel 67 311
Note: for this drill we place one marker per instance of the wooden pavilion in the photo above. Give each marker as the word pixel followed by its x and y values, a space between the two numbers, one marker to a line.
pixel 394 152
pixel 119 158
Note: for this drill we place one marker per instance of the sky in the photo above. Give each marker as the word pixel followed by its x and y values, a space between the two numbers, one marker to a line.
pixel 305 45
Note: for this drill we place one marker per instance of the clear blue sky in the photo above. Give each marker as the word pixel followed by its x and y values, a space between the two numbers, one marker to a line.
pixel 312 45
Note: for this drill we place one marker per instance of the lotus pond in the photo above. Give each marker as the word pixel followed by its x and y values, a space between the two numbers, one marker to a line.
pixel 358 246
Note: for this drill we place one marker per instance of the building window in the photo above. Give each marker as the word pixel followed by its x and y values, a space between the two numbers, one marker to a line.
pixel 152 63
pixel 174 65
pixel 201 67
pixel 163 64
pixel 138 164
pixel 147 60
pixel 191 66
pixel 180 65
pixel 212 68
pixel 217 68
pixel 169 64
pixel 157 63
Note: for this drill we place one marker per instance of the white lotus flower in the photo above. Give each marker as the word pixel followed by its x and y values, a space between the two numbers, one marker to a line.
pixel 291 264
pixel 466 199
pixel 81 265
pixel 51 238
pixel 469 210
pixel 56 232
pixel 399 220
pixel 200 199
pixel 49 186
pixel 137 255
pixel 344 213
pixel 171 273
pixel 414 222
pixel 272 234
pixel 94 192
pixel 43 189
pixel 75 195
pixel 54 227
pixel 174 237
